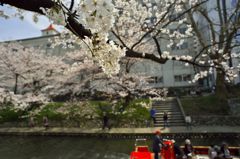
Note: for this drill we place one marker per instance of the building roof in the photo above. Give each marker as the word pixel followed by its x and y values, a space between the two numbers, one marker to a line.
pixel 50 27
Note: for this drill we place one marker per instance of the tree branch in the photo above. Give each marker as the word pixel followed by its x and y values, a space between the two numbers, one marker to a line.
pixel 30 5
pixel 158 46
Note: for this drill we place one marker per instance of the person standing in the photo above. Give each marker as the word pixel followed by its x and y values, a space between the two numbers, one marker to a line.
pixel 165 119
pixel 31 122
pixel 105 121
pixel 153 115
pixel 188 121
pixel 45 122
pixel 157 144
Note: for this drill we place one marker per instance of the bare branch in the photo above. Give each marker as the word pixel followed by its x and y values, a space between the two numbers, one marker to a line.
pixel 158 46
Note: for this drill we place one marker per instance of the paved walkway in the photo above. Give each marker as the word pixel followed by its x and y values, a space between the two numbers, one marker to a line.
pixel 130 131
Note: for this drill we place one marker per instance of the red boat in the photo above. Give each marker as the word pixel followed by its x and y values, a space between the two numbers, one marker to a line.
pixel 201 152
pixel 142 151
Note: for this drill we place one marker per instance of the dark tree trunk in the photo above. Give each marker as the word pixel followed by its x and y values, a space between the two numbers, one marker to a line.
pixel 127 100
pixel 221 89
pixel 16 83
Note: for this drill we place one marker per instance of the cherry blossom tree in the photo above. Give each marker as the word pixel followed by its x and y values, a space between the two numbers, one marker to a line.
pixel 93 20
pixel 219 47
pixel 108 30
pixel 27 66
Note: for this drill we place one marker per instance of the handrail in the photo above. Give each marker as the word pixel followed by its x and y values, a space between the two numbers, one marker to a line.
pixel 181 108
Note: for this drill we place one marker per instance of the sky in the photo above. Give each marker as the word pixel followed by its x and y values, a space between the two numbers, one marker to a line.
pixel 14 28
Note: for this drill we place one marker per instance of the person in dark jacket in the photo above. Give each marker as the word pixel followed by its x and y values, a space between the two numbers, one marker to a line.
pixel 177 150
pixel 45 122
pixel 165 119
pixel 225 153
pixel 105 121
pixel 157 144
pixel 188 148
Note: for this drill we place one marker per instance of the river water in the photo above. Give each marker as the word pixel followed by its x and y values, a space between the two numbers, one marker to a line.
pixel 47 147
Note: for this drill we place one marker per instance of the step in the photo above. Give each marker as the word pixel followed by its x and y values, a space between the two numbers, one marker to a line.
pixel 178 121
pixel 171 118
pixel 165 106
pixel 173 104
pixel 166 109
pixel 160 102
pixel 170 113
pixel 172 125
pixel 172 122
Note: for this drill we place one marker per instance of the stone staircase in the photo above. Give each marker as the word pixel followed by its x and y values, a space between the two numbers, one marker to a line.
pixel 170 105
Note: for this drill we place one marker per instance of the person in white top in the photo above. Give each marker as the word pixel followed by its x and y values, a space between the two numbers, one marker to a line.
pixel 188 121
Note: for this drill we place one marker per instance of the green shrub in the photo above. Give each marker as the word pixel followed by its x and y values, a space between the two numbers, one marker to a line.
pixel 80 113
pixel 101 106
pixel 206 105
pixel 133 114
pixel 49 111
pixel 137 112
pixel 9 115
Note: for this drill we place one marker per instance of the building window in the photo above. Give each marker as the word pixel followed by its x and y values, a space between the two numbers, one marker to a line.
pixel 178 78
pixel 159 79
pixel 182 78
pixel 155 79
pixel 181 47
pixel 49 45
pixel 186 77
pixel 14 50
pixel 180 30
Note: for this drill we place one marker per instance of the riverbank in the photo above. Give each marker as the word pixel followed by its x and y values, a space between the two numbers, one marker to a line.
pixel 201 131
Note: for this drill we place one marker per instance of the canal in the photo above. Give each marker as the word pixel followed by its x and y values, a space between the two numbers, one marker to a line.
pixel 48 147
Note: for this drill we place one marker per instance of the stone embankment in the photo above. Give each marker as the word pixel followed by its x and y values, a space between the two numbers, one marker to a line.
pixel 171 132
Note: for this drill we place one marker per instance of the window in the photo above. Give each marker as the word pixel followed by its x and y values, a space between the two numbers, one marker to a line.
pixel 180 30
pixel 184 45
pixel 178 78
pixel 14 50
pixel 159 79
pixel 182 78
pixel 48 45
pixel 181 47
pixel 155 79
pixel 186 77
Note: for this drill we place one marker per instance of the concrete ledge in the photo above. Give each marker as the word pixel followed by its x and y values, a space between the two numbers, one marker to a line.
pixel 174 132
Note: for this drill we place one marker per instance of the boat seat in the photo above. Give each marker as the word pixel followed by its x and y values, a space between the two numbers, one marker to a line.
pixel 142 149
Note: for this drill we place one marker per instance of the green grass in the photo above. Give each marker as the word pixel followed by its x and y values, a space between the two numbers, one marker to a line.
pixel 206 105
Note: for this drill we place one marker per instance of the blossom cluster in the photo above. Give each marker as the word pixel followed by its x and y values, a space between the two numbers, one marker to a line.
pixel 106 54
